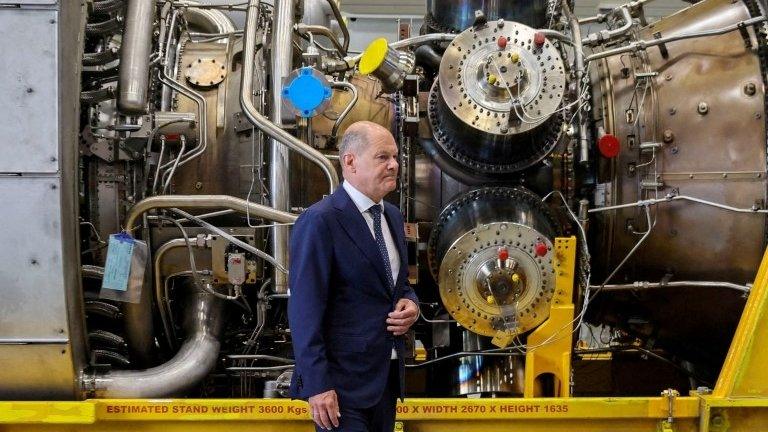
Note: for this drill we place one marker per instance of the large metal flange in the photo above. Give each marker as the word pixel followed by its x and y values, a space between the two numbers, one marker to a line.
pixel 487 295
pixel 477 69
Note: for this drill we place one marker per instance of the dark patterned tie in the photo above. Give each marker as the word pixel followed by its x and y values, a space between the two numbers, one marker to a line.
pixel 375 211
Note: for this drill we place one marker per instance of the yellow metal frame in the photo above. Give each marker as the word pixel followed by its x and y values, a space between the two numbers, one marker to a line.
pixel 738 403
pixel 550 344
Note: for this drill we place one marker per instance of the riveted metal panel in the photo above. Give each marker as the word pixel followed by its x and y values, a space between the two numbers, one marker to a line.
pixel 29 135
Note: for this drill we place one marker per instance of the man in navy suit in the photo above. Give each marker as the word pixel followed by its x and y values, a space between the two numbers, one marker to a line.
pixel 350 301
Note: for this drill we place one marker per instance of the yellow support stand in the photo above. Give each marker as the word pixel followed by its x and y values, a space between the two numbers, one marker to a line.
pixel 549 346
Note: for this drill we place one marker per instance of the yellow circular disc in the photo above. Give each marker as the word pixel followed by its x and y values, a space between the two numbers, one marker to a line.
pixel 373 56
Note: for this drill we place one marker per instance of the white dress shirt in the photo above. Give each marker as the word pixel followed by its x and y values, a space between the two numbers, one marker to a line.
pixel 363 203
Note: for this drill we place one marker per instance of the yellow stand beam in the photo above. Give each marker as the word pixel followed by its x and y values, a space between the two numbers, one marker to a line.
pixel 549 346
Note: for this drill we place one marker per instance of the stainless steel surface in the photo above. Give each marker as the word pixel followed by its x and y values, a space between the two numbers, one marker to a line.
pixel 205 202
pixel 203 322
pixel 460 14
pixel 494 107
pixel 31 86
pixel 279 159
pixel 393 69
pixel 134 56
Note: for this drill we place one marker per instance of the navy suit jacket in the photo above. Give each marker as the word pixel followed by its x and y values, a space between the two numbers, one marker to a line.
pixel 340 300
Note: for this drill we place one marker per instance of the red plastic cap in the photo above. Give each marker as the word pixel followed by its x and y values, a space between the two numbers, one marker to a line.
pixel 540 249
pixel 539 39
pixel 503 254
pixel 502 42
pixel 609 146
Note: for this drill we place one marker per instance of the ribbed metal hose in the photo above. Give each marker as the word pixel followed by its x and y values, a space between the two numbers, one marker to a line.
pixel 99 58
pixel 109 26
pixel 91 97
pixel 107 6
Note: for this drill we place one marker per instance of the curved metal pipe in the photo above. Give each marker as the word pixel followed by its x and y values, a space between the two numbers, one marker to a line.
pixel 261 122
pixel 209 21
pixel 343 115
pixel 606 35
pixel 422 39
pixel 205 202
pixel 322 31
pixel 159 291
pixel 134 56
pixel 445 164
pixel 197 357
pixel 342 24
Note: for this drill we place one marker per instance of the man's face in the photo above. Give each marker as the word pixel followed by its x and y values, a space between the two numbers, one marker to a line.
pixel 375 167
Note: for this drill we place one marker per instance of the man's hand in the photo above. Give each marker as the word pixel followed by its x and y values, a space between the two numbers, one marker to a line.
pixel 325 409
pixel 402 318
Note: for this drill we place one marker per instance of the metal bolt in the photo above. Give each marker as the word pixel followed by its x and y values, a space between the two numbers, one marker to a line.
pixel 199 185
pixel 669 136
pixel 750 89
pixel 703 108
pixel 668 77
pixel 30 90
pixel 672 111
pixel 675 150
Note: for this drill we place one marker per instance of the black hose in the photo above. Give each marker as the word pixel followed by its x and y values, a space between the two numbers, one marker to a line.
pixel 111 357
pixel 99 58
pixel 108 26
pixel 447 164
pixel 107 339
pixel 107 6
pixel 427 56
pixel 91 97
pixel 104 309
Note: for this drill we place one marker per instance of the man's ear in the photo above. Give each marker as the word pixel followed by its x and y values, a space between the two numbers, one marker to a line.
pixel 348 162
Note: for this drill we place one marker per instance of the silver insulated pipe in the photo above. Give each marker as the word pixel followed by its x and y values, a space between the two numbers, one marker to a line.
pixel 197 357
pixel 134 56
pixel 279 159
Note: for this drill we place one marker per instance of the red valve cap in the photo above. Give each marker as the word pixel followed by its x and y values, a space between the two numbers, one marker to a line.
pixel 503 254
pixel 540 249
pixel 609 146
pixel 502 42
pixel 539 39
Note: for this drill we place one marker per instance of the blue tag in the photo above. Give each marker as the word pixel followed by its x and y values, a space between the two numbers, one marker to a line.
pixel 118 267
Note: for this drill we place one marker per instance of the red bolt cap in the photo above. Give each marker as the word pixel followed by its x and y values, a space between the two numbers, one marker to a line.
pixel 609 146
pixel 540 249
pixel 503 254
pixel 539 39
pixel 502 42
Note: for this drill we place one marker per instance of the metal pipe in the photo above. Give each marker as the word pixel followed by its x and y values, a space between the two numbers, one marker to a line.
pixel 279 163
pixel 426 55
pixel 641 285
pixel 92 271
pixel 644 44
pixel 579 59
pixel 279 156
pixel 159 292
pixel 343 115
pixel 196 358
pixel 670 197
pixel 340 20
pixel 134 56
pixel 205 202
pixel 423 39
pixel 322 31
pixel 606 35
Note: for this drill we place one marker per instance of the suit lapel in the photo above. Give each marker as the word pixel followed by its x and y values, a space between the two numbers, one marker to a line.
pixel 354 224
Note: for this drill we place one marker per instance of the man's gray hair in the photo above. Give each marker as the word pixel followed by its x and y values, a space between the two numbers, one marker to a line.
pixel 353 141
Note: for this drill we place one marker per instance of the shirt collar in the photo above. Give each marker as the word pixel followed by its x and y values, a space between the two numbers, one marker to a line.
pixel 362 202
